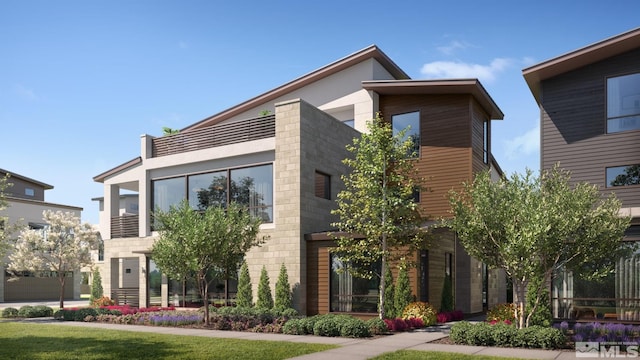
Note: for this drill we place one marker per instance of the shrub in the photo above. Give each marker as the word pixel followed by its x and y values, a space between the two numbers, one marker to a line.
pixel 504 334
pixel 389 291
pixel 327 325
pixel 294 327
pixel 309 322
pixel 10 312
pixel 353 327
pixel 422 310
pixel 102 301
pixel 501 334
pixel 283 290
pixel 542 315
pixel 244 297
pixel 265 299
pixel 459 332
pixel 396 324
pixel 377 326
pixel 42 311
pixel 27 311
pixel 502 312
pixel 96 286
pixel 402 296
pixel 481 334
pixel 446 303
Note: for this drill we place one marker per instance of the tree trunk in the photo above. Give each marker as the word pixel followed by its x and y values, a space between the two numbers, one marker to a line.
pixel 519 296
pixel 204 292
pixel 62 282
pixel 184 292
pixel 383 286
pixel 226 291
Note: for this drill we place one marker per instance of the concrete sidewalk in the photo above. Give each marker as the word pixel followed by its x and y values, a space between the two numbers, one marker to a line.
pixel 349 349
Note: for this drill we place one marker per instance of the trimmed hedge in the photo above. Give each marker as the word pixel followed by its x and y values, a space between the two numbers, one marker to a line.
pixel 10 312
pixel 502 334
pixel 333 325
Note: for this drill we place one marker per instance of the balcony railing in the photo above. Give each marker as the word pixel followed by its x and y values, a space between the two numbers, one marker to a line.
pixel 216 135
pixel 124 226
pixel 126 296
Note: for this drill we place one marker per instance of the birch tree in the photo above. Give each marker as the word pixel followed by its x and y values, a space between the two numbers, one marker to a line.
pixel 377 208
pixel 5 228
pixel 63 246
pixel 533 226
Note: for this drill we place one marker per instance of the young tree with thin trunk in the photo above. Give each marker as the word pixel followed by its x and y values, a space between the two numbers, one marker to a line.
pixel 204 241
pixel 533 226
pixel 63 246
pixel 377 208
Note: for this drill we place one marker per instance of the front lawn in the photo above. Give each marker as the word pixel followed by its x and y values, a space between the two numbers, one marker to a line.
pixel 40 341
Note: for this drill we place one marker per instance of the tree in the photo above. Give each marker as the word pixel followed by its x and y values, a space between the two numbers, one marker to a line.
pixel 5 228
pixel 63 246
pixel 377 208
pixel 389 293
pixel 203 242
pixel 96 286
pixel 283 290
pixel 265 299
pixel 244 297
pixel 446 301
pixel 533 226
pixel 402 297
pixel 166 131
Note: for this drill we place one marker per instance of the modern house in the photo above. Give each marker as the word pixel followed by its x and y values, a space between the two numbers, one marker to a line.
pixel 26 199
pixel 590 124
pixel 286 167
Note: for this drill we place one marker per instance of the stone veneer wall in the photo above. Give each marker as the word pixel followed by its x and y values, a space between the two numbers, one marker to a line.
pixel 307 139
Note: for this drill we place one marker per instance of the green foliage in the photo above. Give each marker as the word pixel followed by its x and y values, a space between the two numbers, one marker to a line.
pixel 389 293
pixel 539 219
pixel 210 243
pixel 7 228
pixel 283 290
pixel 294 327
pixel 244 297
pixel 540 293
pixel 502 312
pixel 354 328
pixel 377 326
pixel 446 302
pixel 378 203
pixel 96 286
pixel 10 312
pixel 166 131
pixel 503 335
pixel 402 296
pixel 265 299
pixel 421 310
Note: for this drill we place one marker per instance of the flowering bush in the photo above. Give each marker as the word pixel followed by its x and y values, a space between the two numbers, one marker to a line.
pixel 399 324
pixel 422 310
pixel 597 332
pixel 449 316
pixel 102 301
pixel 502 312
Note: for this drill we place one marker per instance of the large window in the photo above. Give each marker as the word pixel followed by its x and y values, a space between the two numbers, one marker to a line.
pixel 351 294
pixel 623 175
pixel 615 297
pixel 623 103
pixel 251 187
pixel 410 122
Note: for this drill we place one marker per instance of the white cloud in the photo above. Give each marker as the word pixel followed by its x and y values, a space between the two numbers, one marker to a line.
pixel 456 69
pixel 523 145
pixel 453 46
pixel 25 93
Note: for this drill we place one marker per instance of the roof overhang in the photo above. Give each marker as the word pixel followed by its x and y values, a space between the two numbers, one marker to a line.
pixel 117 169
pixel 590 54
pixel 27 179
pixel 438 87
pixel 371 52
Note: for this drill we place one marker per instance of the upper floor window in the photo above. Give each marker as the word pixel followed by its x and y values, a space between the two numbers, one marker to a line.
pixel 29 192
pixel 323 185
pixel 485 142
pixel 251 187
pixel 623 103
pixel 410 122
pixel 623 175
pixel 350 122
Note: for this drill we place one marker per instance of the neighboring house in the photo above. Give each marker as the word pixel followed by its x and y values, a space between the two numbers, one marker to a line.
pixel 286 167
pixel 26 205
pixel 590 124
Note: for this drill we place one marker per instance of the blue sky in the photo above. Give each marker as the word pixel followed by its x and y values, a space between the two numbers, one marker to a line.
pixel 80 81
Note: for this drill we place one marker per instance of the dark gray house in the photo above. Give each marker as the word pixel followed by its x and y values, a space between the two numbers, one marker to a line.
pixel 590 123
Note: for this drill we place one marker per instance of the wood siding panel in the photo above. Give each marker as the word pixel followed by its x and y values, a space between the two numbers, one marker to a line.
pixel 318 277
pixel 574 125
pixel 445 139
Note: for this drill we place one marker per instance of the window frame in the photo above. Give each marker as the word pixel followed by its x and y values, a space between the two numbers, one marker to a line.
pixel 412 131
pixel 620 115
pixel 608 179
pixel 325 193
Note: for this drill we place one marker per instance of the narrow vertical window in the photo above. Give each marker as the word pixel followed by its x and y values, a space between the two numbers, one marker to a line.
pixel 323 185
pixel 410 123
pixel 485 142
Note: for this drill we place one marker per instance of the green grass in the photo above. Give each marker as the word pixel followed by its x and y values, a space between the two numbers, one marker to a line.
pixel 41 341
pixel 435 355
